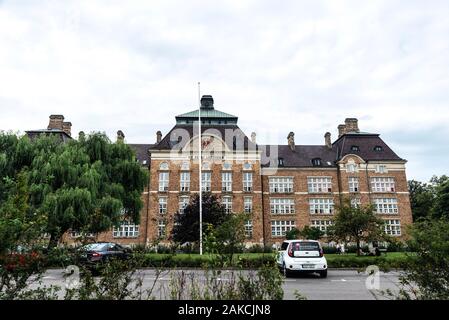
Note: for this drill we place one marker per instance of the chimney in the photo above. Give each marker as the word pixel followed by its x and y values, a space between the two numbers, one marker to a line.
pixel 341 130
pixel 352 125
pixel 67 128
pixel 291 140
pixel 120 136
pixel 253 137
pixel 327 140
pixel 158 136
pixel 56 122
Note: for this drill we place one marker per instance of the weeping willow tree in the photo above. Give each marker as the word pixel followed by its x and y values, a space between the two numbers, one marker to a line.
pixel 88 185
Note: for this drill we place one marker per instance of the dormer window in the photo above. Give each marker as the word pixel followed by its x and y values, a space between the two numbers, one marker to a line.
pixel 355 148
pixel 280 162
pixel 378 148
pixel 316 162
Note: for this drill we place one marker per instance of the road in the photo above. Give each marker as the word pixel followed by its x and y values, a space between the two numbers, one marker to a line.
pixel 339 285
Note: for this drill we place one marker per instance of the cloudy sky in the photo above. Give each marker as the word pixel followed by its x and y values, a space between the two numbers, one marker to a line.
pixel 281 66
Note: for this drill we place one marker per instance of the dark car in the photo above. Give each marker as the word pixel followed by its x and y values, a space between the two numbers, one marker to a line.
pixel 94 254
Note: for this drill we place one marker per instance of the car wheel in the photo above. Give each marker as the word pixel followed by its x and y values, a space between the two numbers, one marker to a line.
pixel 285 271
pixel 323 274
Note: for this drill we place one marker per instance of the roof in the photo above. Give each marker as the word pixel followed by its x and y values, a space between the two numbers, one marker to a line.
pixel 185 132
pixel 142 152
pixel 64 136
pixel 206 113
pixel 366 143
pixel 302 156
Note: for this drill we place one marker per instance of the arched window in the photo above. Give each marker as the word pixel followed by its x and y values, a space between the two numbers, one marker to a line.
pixel 185 165
pixel 247 166
pixel 227 166
pixel 205 166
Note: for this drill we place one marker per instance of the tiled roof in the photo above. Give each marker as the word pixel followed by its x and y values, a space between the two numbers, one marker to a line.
pixel 142 152
pixel 302 156
pixel 35 133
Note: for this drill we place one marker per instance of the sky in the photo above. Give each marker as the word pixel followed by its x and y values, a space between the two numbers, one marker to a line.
pixel 280 66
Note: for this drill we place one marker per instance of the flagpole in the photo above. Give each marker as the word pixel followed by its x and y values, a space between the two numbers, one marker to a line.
pixel 200 169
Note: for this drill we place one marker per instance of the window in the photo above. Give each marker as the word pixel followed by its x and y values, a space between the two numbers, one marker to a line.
pixel 321 206
pixel 355 148
pixel 226 181
pixel 351 168
pixel 386 205
pixel 185 181
pixel 378 148
pixel 227 166
pixel 279 228
pixel 227 203
pixel 163 181
pixel 163 166
pixel 319 184
pixel 161 229
pixel 321 224
pixel 126 230
pixel 282 206
pixel 280 162
pixel 185 165
pixel 249 229
pixel 248 204
pixel 380 184
pixel 163 205
pixel 316 162
pixel 206 176
pixel 393 227
pixel 381 168
pixel 77 234
pixel 247 181
pixel 353 184
pixel 183 202
pixel 247 166
pixel 356 202
pixel 281 184
pixel 205 166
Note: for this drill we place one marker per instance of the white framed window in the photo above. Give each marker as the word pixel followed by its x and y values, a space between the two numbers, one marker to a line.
pixel 163 205
pixel 382 184
pixel 282 206
pixel 321 206
pixel 353 184
pixel 356 202
pixel 163 181
pixel 381 168
pixel 386 205
pixel 352 168
pixel 321 224
pixel 248 204
pixel 280 228
pixel 249 229
pixel 185 165
pixel 247 181
pixel 185 181
pixel 126 230
pixel 319 184
pixel 206 178
pixel 161 229
pixel 183 202
pixel 226 181
pixel 77 234
pixel 163 166
pixel 393 227
pixel 281 184
pixel 227 203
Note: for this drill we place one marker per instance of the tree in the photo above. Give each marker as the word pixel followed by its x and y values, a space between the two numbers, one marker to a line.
pixel 356 224
pixel 88 185
pixel 292 234
pixel 422 197
pixel 441 208
pixel 187 226
pixel 311 233
pixel 427 269
pixel 231 233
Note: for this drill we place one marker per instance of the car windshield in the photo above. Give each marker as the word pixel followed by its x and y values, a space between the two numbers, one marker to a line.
pixel 96 247
pixel 305 246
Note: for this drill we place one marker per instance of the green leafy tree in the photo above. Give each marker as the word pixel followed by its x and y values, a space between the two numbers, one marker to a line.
pixel 231 234
pixel 422 197
pixel 311 233
pixel 187 226
pixel 441 208
pixel 292 234
pixel 356 224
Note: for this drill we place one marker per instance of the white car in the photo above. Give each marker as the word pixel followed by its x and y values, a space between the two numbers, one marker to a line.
pixel 302 256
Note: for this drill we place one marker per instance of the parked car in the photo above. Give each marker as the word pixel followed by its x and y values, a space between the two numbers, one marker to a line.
pixel 94 254
pixel 305 256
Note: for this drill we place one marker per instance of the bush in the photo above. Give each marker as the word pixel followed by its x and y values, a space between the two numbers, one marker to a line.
pixel 259 249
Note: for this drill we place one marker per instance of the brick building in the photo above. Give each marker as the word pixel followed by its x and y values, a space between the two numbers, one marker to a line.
pixel 282 186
